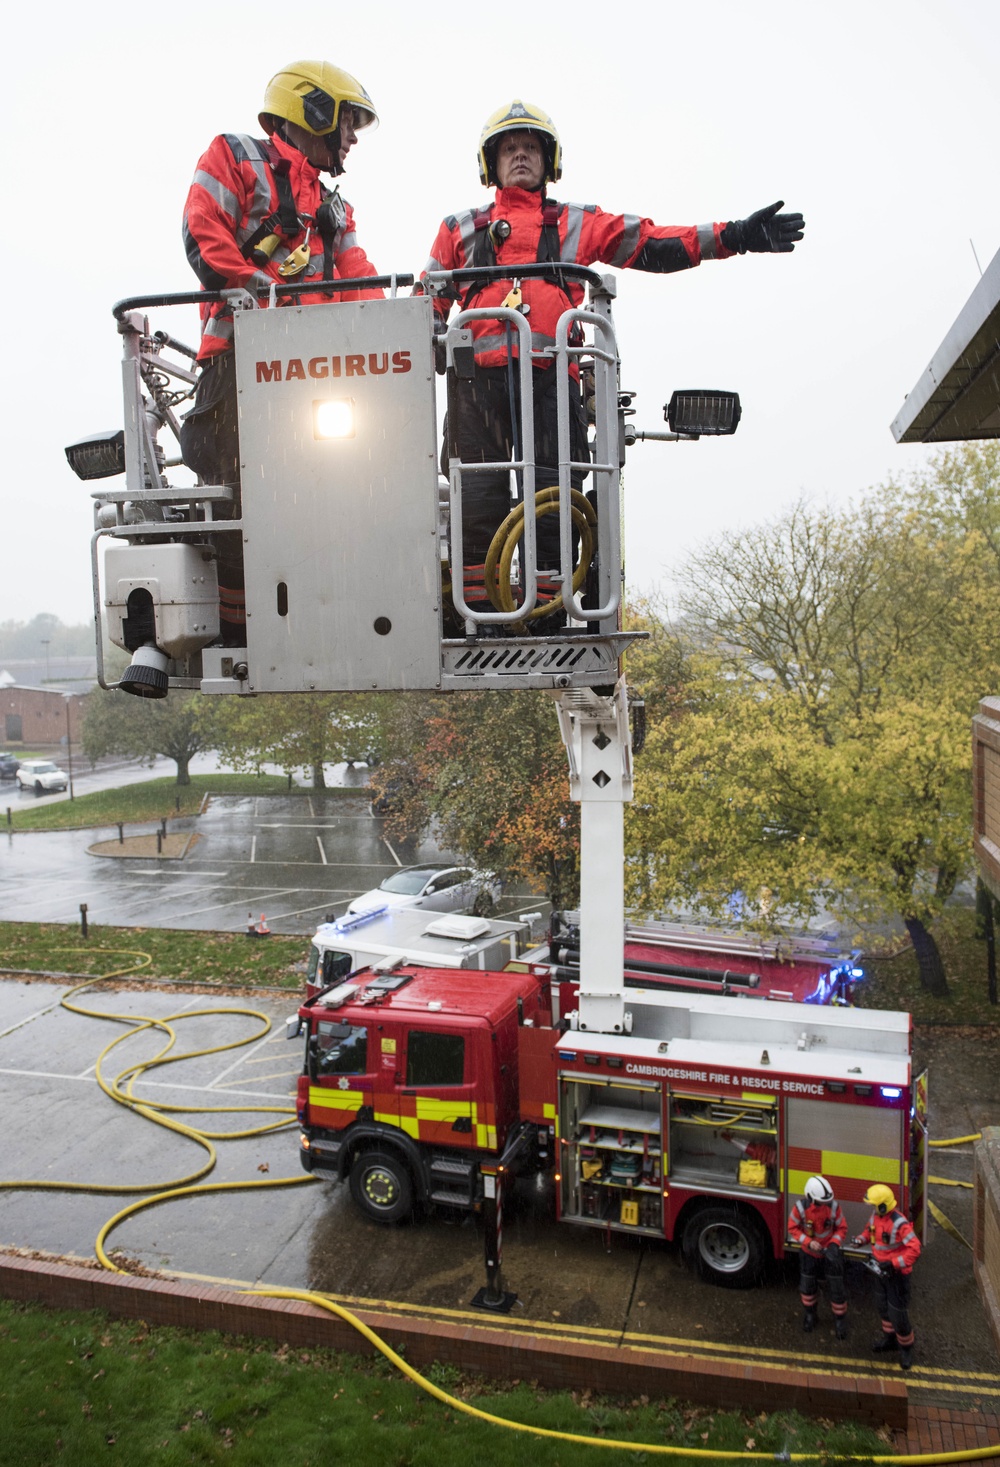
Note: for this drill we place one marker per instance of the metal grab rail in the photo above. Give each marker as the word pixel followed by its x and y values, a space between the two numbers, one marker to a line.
pixel 605 467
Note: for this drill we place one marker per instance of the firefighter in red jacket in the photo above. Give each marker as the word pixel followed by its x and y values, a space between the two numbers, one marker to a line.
pixel 519 153
pixel 895 1249
pixel 819 1227
pixel 257 213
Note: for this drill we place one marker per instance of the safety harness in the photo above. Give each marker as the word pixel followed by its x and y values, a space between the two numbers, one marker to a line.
pixel 484 251
pixel 330 216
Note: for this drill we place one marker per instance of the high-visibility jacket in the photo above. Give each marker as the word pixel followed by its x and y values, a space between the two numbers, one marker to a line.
pixel 586 234
pixel 817 1222
pixel 232 195
pixel 893 1240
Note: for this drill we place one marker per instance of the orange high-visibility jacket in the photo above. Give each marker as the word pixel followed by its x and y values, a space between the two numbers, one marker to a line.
pixel 232 194
pixel 586 235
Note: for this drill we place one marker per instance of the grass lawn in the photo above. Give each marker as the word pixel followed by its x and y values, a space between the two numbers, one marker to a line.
pixel 893 983
pixel 82 1388
pixel 153 799
pixel 230 960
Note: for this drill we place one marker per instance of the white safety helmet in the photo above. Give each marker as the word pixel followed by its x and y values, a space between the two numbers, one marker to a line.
pixel 818 1189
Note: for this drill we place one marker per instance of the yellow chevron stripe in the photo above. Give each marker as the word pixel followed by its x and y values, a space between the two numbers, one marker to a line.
pixel 336 1099
pixel 431 1109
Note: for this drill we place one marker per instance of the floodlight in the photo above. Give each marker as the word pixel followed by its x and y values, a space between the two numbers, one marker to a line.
pixel 98 457
pixel 702 412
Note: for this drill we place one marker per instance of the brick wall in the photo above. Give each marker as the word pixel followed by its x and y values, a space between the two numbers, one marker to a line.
pixel 42 714
pixel 561 1364
pixel 986 791
pixel 986 1224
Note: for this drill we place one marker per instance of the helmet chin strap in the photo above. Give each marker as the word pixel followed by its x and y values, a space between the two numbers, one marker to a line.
pixel 334 168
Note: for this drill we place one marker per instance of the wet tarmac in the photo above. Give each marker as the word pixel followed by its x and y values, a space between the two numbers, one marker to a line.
pixel 295 858
pixel 60 1126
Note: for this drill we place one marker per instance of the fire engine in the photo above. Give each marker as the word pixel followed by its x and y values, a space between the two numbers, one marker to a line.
pixel 688 957
pixel 700 1122
pixel 675 1115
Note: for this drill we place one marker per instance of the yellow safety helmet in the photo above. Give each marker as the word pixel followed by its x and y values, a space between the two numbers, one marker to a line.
pixel 311 94
pixel 519 117
pixel 881 1197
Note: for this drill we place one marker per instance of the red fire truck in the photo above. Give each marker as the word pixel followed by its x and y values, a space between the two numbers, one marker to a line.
pixel 700 1122
pixel 688 957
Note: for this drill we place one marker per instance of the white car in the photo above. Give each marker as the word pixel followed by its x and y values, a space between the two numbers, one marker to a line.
pixel 41 775
pixel 435 888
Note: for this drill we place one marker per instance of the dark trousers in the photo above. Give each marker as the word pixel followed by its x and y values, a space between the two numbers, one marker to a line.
pixel 480 428
pixel 893 1297
pixel 210 446
pixel 814 1266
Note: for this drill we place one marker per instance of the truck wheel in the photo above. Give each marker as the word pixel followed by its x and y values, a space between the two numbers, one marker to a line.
pixel 727 1245
pixel 381 1186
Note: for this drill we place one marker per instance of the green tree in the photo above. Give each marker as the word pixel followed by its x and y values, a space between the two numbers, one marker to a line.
pixel 292 730
pixel 823 751
pixel 490 770
pixel 140 728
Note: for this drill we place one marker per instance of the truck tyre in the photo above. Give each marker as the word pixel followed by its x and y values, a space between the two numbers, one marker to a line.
pixel 727 1245
pixel 381 1186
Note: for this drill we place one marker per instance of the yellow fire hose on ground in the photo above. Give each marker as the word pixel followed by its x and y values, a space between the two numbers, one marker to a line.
pixel 121 1090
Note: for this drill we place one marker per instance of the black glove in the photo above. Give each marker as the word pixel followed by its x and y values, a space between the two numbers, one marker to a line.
pixel 887 1270
pixel 765 233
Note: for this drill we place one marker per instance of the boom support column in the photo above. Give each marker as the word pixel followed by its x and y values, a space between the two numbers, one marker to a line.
pixel 595 731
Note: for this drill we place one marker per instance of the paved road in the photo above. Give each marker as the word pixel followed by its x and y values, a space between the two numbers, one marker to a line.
pixel 294 858
pixel 58 1125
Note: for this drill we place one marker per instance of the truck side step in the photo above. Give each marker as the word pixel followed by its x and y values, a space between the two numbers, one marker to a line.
pixel 452 1180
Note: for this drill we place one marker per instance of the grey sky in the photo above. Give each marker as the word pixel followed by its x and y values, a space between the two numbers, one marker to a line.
pixel 877 120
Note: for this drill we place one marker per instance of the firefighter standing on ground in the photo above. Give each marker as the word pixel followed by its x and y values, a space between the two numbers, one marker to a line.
pixel 257 213
pixel 817 1224
pixel 520 153
pixel 895 1248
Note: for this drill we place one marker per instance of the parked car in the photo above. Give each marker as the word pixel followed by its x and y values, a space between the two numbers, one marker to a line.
pixel 434 887
pixel 8 765
pixel 41 775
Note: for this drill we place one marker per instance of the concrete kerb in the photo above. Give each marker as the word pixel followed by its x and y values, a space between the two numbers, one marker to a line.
pixel 560 1364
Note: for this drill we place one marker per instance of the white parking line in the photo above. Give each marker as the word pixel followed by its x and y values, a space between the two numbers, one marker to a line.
pixel 241 1059
pixel 38 1014
pixel 322 853
pixel 392 853
pixel 312 808
pixel 253 847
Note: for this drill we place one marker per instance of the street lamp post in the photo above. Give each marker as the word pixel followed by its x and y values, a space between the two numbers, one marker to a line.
pixel 69 746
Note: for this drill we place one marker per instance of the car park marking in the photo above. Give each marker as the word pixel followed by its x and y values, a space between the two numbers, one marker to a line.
pixel 392 853
pixel 322 853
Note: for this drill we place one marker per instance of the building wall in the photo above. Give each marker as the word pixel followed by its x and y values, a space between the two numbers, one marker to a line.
pixel 32 716
pixel 986 1224
pixel 986 792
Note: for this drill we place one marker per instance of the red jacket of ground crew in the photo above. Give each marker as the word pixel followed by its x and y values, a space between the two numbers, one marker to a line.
pixel 893 1240
pixel 232 194
pixel 820 1222
pixel 586 234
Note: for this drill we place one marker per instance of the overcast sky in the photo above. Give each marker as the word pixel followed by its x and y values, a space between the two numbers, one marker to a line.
pixel 877 119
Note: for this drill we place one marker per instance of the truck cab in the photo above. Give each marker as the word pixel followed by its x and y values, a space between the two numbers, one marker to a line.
pixel 410 1080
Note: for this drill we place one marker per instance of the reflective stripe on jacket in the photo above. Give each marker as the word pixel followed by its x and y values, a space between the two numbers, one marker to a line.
pixel 586 235
pixel 232 194
pixel 893 1240
pixel 820 1222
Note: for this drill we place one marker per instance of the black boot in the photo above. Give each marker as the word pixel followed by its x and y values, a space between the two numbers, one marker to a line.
pixel 809 1320
pixel 840 1327
pixel 905 1356
pixel 883 1343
